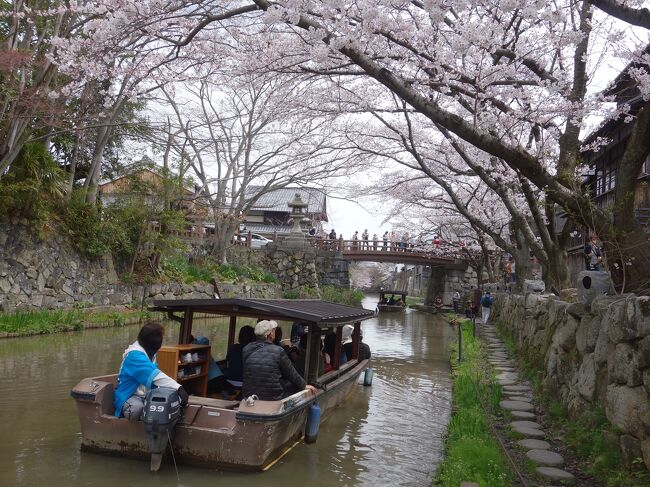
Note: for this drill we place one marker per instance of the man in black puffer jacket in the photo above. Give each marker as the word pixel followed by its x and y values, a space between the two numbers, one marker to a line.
pixel 266 364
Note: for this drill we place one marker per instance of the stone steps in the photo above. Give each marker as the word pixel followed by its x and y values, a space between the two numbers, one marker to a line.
pixel 518 402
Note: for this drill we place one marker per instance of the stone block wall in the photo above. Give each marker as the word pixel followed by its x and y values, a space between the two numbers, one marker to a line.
pixel 293 267
pixel 597 356
pixel 47 273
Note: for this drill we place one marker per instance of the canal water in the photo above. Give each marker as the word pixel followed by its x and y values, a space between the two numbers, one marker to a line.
pixel 387 434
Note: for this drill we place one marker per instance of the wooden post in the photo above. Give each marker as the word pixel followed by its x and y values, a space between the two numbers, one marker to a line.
pixel 231 330
pixel 314 359
pixel 356 333
pixel 186 327
pixel 336 360
pixel 307 371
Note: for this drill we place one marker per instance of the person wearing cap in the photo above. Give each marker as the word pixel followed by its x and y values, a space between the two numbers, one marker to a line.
pixel 364 349
pixel 139 373
pixel 268 372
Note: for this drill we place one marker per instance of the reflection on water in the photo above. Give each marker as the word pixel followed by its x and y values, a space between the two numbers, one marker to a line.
pixel 387 434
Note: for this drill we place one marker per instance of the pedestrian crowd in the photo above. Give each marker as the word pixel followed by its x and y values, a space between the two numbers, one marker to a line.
pixel 401 242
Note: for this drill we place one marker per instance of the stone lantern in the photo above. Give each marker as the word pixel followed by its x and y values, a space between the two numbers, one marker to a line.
pixel 298 214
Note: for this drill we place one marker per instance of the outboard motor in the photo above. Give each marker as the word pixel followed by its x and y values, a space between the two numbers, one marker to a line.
pixel 162 409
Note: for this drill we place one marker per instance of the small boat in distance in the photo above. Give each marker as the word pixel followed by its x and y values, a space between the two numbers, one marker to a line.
pixel 391 303
pixel 250 434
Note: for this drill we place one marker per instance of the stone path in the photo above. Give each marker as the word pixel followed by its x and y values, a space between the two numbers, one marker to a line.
pixel 517 401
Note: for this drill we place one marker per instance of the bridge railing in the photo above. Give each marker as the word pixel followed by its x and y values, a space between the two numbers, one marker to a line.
pixel 380 247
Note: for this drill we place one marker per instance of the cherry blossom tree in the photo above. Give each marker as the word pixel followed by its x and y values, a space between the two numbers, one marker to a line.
pixel 510 78
pixel 246 137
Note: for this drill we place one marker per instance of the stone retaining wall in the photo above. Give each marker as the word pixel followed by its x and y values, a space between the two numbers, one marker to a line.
pixel 47 273
pixel 597 356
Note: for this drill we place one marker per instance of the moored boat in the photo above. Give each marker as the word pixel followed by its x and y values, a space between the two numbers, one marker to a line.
pixel 391 304
pixel 246 435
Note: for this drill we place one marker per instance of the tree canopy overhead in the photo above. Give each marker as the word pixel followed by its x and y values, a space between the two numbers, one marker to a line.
pixel 509 82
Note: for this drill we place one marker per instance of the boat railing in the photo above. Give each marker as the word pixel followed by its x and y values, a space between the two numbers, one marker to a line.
pixel 334 374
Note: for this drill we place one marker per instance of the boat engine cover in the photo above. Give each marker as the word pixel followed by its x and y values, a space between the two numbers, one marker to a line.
pixel 162 409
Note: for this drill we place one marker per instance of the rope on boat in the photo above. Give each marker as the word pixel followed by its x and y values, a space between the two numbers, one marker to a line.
pixel 171 447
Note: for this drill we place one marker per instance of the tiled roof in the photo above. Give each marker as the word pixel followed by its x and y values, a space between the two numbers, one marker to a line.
pixel 277 199
pixel 266 229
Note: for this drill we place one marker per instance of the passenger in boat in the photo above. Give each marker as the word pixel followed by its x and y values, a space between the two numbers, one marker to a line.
pixel 298 358
pixel 216 379
pixel 139 373
pixel 268 372
pixel 383 300
pixel 297 330
pixel 234 357
pixel 364 349
pixel 329 349
pixel 392 299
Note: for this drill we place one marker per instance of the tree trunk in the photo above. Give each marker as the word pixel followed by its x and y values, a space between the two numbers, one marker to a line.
pixel 555 270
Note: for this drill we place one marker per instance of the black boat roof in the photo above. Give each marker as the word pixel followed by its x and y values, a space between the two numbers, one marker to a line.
pixel 403 293
pixel 315 311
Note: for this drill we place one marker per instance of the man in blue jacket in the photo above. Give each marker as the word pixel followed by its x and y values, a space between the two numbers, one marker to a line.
pixel 139 373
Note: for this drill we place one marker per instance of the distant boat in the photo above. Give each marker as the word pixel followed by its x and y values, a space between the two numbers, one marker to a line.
pixel 391 304
pixel 250 434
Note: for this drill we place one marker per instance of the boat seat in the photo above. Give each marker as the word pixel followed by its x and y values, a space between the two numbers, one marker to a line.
pixel 209 401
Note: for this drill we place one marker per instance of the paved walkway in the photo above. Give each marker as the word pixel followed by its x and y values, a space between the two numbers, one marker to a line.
pixel 517 401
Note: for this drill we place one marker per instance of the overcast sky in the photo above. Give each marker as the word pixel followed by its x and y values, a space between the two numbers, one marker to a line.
pixel 346 217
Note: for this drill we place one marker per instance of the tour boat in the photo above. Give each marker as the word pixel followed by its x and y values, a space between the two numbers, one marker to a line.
pixel 216 433
pixel 383 304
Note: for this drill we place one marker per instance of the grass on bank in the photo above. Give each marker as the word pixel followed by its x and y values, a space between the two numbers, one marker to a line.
pixel 351 297
pixel 179 269
pixel 54 321
pixel 589 436
pixel 472 452
pixel 411 300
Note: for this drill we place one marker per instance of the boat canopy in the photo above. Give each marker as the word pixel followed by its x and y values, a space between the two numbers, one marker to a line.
pixel 401 293
pixel 317 314
pixel 322 313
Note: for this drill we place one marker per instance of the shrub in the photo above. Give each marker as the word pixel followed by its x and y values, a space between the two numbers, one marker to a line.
pixel 352 297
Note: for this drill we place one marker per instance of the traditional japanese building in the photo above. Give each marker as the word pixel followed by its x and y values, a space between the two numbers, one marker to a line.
pixel 601 166
pixel 270 215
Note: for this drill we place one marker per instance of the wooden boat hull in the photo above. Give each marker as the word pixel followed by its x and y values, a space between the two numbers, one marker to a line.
pixel 390 308
pixel 212 432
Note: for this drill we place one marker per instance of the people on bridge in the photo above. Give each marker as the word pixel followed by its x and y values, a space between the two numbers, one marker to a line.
pixel 355 240
pixel 332 235
pixel 364 238
pixel 385 238
pixel 375 241
pixel 268 372
pixel 139 373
